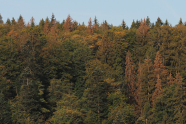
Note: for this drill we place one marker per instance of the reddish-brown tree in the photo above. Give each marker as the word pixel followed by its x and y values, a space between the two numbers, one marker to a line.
pixel 53 31
pixel 142 37
pixel 160 75
pixel 90 26
pixel 68 24
pixel 46 26
pixel 170 80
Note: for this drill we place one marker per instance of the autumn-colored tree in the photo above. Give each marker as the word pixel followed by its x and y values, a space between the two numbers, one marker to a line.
pixel 95 25
pixel 21 23
pixel 142 38
pixel 104 26
pixel 53 31
pixel 68 24
pixel 46 26
pixel 90 26
pixel 170 80
pixel 160 75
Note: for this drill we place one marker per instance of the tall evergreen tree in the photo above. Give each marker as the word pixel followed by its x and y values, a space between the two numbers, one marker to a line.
pixel 123 24
pixel 95 97
pixel 130 76
pixel 1 19
pixel 159 23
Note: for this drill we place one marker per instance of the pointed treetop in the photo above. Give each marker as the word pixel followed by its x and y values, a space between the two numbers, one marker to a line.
pixel 90 23
pixel 159 22
pixel 53 17
pixel 1 19
pixel 8 22
pixel 133 24
pixel 32 23
pixel 170 79
pixel 166 22
pixel 123 24
pixel 42 22
pixel 68 23
pixel 180 22
pixel 13 21
pixel 96 21
pixel 148 21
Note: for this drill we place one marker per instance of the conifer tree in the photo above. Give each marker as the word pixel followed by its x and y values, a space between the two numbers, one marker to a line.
pixel 142 38
pixel 179 100
pixel 123 24
pixel 42 23
pixel 32 23
pixel 1 19
pixel 130 76
pixel 8 22
pixel 138 90
pixel 21 23
pixel 147 84
pixel 159 23
pixel 160 75
pixel 147 20
pixel 180 22
pixel 95 96
pixel 68 24
pixel 166 22
pixel 133 25
pixel 13 21
pixel 46 26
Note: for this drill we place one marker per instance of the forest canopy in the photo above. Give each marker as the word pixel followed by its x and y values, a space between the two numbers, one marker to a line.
pixel 92 74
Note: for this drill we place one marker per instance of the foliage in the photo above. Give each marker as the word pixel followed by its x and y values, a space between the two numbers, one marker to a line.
pixel 65 72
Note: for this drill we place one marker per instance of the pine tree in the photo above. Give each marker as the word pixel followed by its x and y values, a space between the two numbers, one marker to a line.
pixel 95 96
pixel 138 90
pixel 5 112
pixel 68 24
pixel 159 23
pixel 160 75
pixel 90 26
pixel 123 24
pixel 147 20
pixel 147 84
pixel 42 23
pixel 8 22
pixel 166 22
pixel 13 21
pixel 142 38
pixel 96 22
pixel 130 76
pixel 180 22
pixel 1 19
pixel 32 23
pixel 46 26
pixel 179 100
pixel 21 23
pixel 133 25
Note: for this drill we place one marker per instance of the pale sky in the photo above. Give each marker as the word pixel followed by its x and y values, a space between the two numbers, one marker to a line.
pixel 114 11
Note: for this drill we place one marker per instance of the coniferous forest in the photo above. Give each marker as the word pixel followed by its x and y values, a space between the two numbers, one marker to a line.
pixel 71 73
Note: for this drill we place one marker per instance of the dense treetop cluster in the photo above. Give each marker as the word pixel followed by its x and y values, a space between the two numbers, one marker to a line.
pixel 96 74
